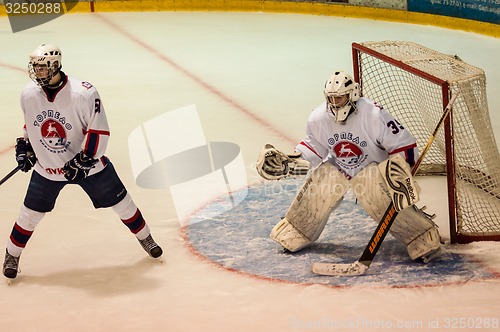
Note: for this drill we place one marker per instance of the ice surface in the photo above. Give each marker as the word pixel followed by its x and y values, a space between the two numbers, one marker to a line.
pixel 253 77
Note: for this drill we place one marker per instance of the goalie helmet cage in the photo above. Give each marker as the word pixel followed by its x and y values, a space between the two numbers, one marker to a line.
pixel 415 84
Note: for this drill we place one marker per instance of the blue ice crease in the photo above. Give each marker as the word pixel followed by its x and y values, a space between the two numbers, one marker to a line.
pixel 239 239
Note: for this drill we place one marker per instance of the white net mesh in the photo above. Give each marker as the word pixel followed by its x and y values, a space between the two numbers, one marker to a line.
pixel 418 103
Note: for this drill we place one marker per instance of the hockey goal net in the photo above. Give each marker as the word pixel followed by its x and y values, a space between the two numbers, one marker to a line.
pixel 415 83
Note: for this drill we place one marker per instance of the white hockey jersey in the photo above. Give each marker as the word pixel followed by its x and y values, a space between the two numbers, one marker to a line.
pixel 370 134
pixel 61 124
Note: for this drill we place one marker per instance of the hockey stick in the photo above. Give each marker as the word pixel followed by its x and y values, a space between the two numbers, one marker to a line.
pixel 8 176
pixel 359 267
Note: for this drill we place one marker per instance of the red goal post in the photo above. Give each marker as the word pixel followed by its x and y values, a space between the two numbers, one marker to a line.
pixel 415 84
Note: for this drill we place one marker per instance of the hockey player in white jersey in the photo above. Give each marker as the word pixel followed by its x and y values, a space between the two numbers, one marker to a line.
pixel 351 143
pixel 65 137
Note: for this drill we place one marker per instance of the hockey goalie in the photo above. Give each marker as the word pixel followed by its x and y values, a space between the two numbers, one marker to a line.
pixel 351 143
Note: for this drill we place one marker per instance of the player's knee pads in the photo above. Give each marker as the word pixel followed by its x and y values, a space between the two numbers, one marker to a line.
pixel 28 219
pixel 318 196
pixel 126 208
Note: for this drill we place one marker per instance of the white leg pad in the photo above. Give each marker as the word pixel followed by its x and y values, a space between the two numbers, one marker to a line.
pixel 372 193
pixel 320 194
pixel 417 231
pixel 399 181
pixel 425 244
pixel 288 236
pixel 411 227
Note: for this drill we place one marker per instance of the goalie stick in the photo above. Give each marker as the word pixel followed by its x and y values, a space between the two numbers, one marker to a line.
pixel 360 266
pixel 8 176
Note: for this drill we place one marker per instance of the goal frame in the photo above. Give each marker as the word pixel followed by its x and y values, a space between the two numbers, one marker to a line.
pixel 455 236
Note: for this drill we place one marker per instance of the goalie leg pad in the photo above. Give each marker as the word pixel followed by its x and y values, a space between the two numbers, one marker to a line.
pixel 372 193
pixel 399 180
pixel 319 195
pixel 288 236
pixel 417 231
pixel 411 226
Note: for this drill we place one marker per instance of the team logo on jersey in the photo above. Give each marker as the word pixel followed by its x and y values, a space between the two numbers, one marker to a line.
pixel 348 154
pixel 53 134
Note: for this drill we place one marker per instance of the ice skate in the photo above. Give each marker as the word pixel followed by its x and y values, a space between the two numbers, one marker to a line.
pixel 10 266
pixel 151 247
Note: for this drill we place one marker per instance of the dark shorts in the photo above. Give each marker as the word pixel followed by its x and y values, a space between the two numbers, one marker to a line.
pixel 105 189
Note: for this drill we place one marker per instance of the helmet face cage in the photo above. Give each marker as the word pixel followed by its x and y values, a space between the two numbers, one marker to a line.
pixel 337 101
pixel 44 64
pixel 341 93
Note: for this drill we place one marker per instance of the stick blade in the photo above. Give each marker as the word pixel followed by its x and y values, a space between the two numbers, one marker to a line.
pixel 332 269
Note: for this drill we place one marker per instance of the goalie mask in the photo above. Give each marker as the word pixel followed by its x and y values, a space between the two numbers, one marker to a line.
pixel 341 93
pixel 44 64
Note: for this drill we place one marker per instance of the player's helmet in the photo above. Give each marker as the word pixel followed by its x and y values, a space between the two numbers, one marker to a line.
pixel 341 93
pixel 45 63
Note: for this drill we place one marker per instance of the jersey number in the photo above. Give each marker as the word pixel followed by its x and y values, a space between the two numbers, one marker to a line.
pixel 395 126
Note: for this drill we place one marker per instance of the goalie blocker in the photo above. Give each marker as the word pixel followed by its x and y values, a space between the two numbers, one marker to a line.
pixel 323 191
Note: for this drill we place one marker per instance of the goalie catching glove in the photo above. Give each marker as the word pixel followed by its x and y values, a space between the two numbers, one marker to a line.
pixel 274 164
pixel 79 167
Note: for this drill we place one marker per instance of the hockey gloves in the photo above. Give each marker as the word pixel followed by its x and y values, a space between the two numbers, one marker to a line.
pixel 25 156
pixel 79 167
pixel 274 164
